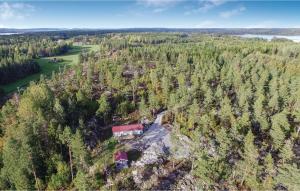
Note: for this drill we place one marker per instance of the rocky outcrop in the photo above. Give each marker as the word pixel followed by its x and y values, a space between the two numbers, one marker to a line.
pixel 155 154
pixel 186 183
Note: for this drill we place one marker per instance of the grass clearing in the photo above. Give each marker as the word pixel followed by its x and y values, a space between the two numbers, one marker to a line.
pixel 47 67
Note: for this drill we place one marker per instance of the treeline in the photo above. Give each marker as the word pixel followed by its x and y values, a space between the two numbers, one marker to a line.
pixel 10 72
pixel 237 100
pixel 17 55
pixel 94 32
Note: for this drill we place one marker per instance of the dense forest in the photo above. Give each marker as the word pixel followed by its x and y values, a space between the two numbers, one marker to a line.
pixel 236 100
pixel 17 55
pixel 67 33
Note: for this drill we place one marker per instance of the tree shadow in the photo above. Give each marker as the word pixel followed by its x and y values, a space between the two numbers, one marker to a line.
pixel 76 50
pixel 133 155
pixel 174 176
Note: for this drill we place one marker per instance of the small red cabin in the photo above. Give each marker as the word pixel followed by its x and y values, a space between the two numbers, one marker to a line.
pixel 121 160
pixel 121 156
pixel 124 130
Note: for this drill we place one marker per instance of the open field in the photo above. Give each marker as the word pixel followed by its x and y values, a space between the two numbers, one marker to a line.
pixel 47 67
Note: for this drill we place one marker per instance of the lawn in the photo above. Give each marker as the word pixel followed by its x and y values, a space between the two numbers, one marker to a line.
pixel 47 66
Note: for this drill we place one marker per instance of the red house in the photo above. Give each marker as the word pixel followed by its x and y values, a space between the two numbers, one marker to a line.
pixel 125 130
pixel 121 160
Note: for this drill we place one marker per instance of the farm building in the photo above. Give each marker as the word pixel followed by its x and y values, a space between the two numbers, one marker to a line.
pixel 127 130
pixel 121 160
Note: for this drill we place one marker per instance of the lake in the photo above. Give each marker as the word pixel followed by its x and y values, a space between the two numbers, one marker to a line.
pixel 270 37
pixel 7 33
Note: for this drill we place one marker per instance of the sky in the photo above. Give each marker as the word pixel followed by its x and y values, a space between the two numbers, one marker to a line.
pixel 149 14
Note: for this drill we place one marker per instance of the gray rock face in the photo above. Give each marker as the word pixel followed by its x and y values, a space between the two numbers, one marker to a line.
pixel 187 183
pixel 180 147
pixel 154 144
pixel 137 177
pixel 154 154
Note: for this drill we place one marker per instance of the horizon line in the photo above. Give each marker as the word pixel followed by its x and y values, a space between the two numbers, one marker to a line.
pixel 120 28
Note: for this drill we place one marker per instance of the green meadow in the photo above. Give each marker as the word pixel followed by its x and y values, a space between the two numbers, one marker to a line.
pixel 48 66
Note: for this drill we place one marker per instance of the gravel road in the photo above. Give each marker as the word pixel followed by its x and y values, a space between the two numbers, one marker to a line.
pixel 155 134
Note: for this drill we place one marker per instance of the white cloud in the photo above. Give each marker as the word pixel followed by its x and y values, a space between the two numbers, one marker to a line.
pixel 205 6
pixel 158 6
pixel 233 12
pixel 159 10
pixel 15 10
pixel 158 3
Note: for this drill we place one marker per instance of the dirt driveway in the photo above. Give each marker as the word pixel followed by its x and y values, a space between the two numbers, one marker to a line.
pixel 155 134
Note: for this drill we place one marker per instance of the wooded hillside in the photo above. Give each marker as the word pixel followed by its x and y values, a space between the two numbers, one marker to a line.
pixel 237 100
pixel 17 54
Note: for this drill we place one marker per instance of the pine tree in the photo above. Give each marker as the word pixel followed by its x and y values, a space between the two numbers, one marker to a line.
pixel 277 132
pixel 81 181
pixel 17 165
pixel 289 176
pixel 286 152
pixel 60 179
pixel 104 107
pixel 79 152
pixel 144 111
pixel 247 168
pixel 226 113
pixel 269 170
pixel 165 88
pixel 66 138
pixel 224 143
pixel 203 169
pixel 59 110
pixel 134 86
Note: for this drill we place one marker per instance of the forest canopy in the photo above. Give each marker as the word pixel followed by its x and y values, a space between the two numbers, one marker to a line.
pixel 18 54
pixel 237 100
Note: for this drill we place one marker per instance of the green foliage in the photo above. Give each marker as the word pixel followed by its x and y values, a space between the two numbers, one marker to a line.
pixel 286 152
pixel 289 176
pixel 104 107
pixel 224 142
pixel 80 154
pixel 247 168
pixel 17 165
pixel 236 99
pixel 17 56
pixel 124 108
pixel 279 124
pixel 81 181
pixel 60 179
pixel 144 111
pixel 269 169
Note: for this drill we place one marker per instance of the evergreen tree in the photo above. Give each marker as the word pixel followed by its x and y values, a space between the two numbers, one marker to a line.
pixel 247 168
pixel 81 181
pixel 79 152
pixel 269 170
pixel 289 176
pixel 104 107
pixel 286 152
pixel 66 138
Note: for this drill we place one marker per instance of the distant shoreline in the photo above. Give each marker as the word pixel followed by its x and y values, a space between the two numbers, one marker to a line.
pixel 294 38
pixel 6 34
pixel 218 31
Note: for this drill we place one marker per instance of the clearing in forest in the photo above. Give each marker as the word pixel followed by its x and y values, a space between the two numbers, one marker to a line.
pixel 48 66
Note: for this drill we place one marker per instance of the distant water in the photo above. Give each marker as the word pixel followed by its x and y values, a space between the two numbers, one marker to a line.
pixel 7 33
pixel 270 37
